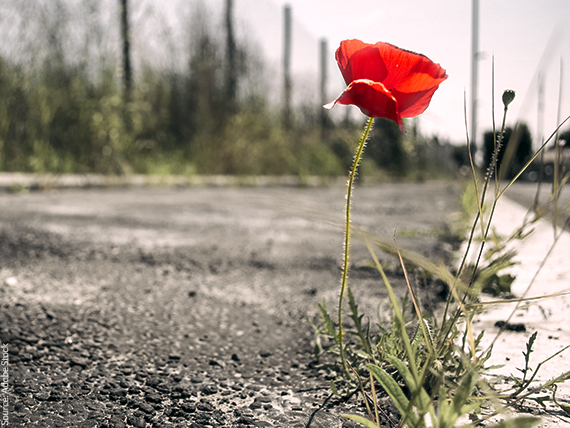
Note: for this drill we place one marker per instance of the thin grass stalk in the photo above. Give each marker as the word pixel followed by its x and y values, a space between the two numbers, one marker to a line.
pixel 346 256
pixel 427 339
pixel 516 300
pixel 364 396
pixel 556 179
pixel 496 149
pixel 374 398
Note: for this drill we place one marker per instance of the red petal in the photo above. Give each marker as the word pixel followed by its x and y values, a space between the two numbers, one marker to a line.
pixel 359 60
pixel 414 93
pixel 413 103
pixel 372 98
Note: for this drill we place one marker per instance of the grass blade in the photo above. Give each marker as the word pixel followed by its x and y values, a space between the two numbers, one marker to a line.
pixel 394 391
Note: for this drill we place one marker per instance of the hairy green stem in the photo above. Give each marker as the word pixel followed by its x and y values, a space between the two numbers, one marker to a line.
pixel 346 255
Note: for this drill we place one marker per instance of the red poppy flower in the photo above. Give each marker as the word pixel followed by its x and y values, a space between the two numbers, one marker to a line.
pixel 386 81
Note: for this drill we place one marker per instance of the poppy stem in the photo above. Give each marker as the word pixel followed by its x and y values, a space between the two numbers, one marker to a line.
pixel 346 256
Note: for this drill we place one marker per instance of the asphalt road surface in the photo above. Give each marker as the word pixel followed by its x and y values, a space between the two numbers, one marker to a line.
pixel 190 307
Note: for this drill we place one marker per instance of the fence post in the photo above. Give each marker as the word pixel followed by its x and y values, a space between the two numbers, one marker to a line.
pixel 287 83
pixel 323 81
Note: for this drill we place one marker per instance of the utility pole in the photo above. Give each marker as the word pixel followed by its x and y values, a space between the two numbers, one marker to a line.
pixel 540 138
pixel 474 72
pixel 287 84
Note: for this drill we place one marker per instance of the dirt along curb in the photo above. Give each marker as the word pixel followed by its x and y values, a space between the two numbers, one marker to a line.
pixel 171 306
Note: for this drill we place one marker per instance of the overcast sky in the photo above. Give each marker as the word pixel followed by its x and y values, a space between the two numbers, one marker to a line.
pixel 517 32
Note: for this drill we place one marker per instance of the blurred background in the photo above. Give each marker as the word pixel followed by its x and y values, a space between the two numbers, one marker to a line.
pixel 237 86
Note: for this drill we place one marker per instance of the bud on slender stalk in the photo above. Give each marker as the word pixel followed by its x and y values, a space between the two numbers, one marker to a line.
pixel 508 97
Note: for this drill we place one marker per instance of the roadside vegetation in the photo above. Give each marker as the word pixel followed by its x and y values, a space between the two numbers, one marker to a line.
pixel 432 365
pixel 209 105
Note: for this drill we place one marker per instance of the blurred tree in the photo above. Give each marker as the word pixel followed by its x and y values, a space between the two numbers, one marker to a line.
pixel 386 148
pixel 14 115
pixel 515 150
pixel 460 155
pixel 126 42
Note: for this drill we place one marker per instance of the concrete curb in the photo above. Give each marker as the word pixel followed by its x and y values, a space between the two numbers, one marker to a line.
pixel 542 269
pixel 15 182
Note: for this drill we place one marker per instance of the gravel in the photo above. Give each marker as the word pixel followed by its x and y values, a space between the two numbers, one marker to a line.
pixel 189 307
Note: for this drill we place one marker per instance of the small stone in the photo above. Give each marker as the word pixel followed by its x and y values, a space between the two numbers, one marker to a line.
pixel 216 363
pixel 153 398
pixel 79 361
pixel 163 387
pixel 137 422
pixel 145 407
pixel 11 281
pixel 31 339
pixel 255 405
pixel 42 395
pixel 244 420
pixel 188 407
pixel 126 370
pixel 116 422
pixel 134 389
pixel 515 327
pixel 204 406
pixel 117 394
pixel 209 389
pixel 183 391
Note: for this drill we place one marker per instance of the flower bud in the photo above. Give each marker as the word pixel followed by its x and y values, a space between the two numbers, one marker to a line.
pixel 508 97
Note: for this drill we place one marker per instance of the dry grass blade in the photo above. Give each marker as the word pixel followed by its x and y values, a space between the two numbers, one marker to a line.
pixel 428 341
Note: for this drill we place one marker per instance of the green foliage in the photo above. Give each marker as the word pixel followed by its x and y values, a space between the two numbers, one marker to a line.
pixel 57 120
